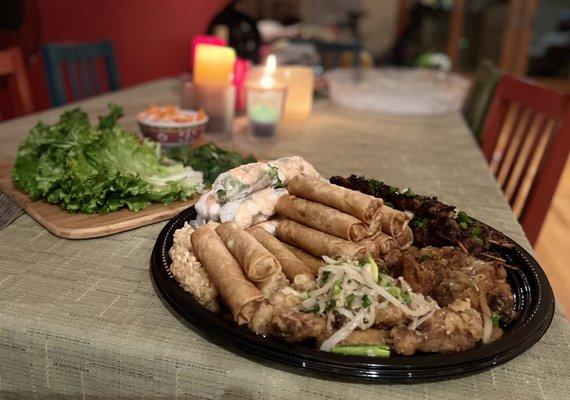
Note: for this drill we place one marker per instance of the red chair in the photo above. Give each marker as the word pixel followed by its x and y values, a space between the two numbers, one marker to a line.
pixel 526 140
pixel 12 63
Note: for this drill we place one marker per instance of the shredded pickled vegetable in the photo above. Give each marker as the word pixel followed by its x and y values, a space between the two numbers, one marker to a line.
pixel 353 290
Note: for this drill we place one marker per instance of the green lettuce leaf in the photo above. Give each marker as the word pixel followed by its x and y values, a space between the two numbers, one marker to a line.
pixel 98 169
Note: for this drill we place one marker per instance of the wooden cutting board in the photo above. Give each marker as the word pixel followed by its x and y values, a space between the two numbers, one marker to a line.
pixel 84 226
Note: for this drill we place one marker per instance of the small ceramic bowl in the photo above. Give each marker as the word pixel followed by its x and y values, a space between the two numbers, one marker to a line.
pixel 170 133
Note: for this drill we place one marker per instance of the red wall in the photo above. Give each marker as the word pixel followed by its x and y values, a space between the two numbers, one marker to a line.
pixel 151 37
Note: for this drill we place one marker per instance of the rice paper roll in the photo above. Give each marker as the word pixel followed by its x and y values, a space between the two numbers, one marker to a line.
pixel 313 262
pixel 316 242
pixel 323 218
pixel 207 207
pixel 253 209
pixel 359 205
pixel 393 222
pixel 405 239
pixel 237 292
pixel 290 264
pixel 258 263
pixel 289 167
pixel 242 181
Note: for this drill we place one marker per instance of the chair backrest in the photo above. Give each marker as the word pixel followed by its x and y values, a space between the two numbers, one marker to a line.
pixel 79 61
pixel 526 140
pixel 12 63
pixel 484 83
pixel 332 54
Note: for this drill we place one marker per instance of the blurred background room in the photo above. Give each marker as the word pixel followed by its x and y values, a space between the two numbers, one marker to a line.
pixel 420 57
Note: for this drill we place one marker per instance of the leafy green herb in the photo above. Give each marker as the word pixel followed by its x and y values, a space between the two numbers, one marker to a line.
pixel 463 225
pixel 405 297
pixel 393 189
pixel 209 159
pixel 325 277
pixel 97 169
pixel 495 318
pixel 366 301
pixel 337 288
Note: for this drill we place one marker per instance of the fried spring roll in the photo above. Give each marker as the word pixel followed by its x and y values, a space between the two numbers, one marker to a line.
pixel 359 205
pixel 290 264
pixel 238 293
pixel 393 222
pixel 385 243
pixel 322 218
pixel 313 262
pixel 258 263
pixel 405 239
pixel 316 242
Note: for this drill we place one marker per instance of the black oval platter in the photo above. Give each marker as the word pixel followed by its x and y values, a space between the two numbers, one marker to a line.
pixel 534 302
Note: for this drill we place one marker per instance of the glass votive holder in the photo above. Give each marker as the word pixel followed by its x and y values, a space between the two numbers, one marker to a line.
pixel 218 102
pixel 264 110
pixel 300 81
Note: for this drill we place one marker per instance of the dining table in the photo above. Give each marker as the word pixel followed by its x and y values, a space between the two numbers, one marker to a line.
pixel 83 318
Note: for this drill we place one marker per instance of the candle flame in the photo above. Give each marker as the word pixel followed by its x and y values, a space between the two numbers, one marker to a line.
pixel 270 65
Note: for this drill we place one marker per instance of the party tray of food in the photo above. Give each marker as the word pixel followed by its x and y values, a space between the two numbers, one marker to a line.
pixel 348 278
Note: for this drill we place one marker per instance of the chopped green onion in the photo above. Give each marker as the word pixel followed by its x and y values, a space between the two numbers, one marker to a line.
pixel 476 231
pixel 325 277
pixel 304 296
pixel 349 300
pixel 370 350
pixel 366 301
pixel 463 217
pixel 463 225
pixel 330 305
pixel 495 318
pixel 315 309
pixel 337 288
pixel 393 189
pixel 406 299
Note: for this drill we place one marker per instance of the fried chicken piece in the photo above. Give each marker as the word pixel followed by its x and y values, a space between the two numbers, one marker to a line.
pixel 294 326
pixel 368 336
pixel 389 315
pixel 447 331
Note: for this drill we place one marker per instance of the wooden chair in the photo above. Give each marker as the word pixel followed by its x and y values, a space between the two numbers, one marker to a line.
pixel 526 140
pixel 80 62
pixel 12 63
pixel 484 84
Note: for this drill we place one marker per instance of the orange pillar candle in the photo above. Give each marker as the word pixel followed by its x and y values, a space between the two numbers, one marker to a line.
pixel 214 65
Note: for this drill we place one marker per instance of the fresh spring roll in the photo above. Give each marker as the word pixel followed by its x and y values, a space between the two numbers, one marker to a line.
pixel 316 242
pixel 290 264
pixel 258 263
pixel 359 205
pixel 313 262
pixel 393 222
pixel 241 181
pixel 238 293
pixel 322 218
pixel 405 239
pixel 290 167
pixel 253 209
